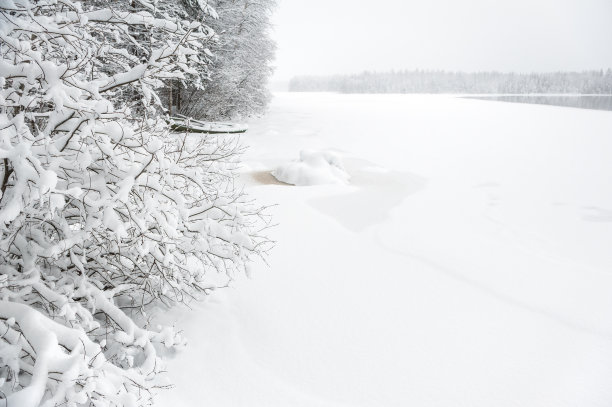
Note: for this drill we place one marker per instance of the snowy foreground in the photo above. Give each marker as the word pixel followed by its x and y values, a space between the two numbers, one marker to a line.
pixel 467 262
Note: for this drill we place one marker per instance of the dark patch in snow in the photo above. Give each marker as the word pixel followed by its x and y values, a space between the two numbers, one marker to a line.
pixel 379 191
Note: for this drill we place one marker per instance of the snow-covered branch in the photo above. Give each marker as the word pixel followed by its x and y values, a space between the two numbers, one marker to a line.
pixel 104 213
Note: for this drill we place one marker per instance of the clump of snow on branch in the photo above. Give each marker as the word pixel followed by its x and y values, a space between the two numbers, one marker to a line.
pixel 313 168
pixel 104 214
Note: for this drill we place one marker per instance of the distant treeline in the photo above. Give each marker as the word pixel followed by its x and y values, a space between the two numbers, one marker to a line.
pixel 421 81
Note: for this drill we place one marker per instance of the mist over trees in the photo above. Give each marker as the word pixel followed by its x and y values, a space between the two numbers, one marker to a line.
pixel 106 216
pixel 423 81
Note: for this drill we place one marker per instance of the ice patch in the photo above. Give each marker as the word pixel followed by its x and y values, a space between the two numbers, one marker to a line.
pixel 313 168
pixel 378 191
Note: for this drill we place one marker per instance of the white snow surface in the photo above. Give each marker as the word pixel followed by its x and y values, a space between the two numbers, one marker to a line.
pixel 313 168
pixel 467 263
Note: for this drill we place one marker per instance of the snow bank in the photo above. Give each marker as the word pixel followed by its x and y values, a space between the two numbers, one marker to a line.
pixel 313 168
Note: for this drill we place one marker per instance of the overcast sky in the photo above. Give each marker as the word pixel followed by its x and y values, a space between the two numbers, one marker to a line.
pixel 346 36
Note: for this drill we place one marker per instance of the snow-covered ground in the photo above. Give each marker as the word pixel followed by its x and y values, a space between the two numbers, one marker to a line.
pixel 467 262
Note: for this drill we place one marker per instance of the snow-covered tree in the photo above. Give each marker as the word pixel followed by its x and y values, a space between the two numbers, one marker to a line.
pixel 104 214
pixel 419 81
pixel 240 63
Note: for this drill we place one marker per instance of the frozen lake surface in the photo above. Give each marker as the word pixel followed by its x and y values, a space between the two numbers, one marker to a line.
pixel 466 263
pixel 597 102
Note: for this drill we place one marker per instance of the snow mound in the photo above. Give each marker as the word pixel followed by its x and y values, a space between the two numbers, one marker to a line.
pixel 313 168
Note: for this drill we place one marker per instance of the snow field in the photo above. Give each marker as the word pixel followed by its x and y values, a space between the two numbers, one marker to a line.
pixel 466 263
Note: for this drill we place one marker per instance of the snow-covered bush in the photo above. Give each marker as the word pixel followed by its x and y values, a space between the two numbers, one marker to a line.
pixel 103 212
pixel 313 168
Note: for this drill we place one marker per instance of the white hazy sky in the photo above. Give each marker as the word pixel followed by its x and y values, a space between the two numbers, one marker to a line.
pixel 346 36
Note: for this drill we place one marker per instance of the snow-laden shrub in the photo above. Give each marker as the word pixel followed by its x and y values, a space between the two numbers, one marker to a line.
pixel 103 212
pixel 313 168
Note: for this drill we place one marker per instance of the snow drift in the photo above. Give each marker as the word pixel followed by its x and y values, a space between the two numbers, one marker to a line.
pixel 313 168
